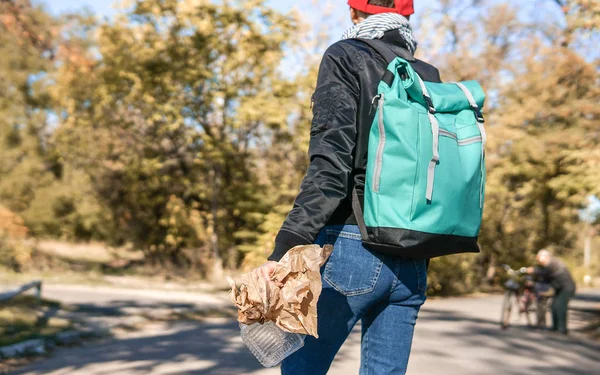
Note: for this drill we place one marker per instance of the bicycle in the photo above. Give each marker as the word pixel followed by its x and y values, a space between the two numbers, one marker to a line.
pixel 527 296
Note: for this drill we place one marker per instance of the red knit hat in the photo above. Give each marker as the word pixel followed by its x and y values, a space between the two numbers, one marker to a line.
pixel 404 7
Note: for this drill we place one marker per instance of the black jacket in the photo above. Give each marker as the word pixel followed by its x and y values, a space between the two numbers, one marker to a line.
pixel 557 274
pixel 348 78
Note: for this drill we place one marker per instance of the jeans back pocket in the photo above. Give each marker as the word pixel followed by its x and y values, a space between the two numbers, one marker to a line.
pixel 351 269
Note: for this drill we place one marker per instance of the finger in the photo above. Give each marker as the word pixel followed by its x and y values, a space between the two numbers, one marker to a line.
pixel 265 273
pixel 272 268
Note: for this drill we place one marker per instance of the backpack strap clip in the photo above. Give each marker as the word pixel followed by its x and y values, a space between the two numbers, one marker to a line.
pixel 429 103
pixel 477 111
pixel 472 103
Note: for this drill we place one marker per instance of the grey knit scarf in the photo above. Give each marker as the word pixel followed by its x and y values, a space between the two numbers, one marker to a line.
pixel 376 25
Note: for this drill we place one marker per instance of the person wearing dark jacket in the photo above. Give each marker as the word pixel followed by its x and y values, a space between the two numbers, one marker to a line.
pixel 553 271
pixel 383 291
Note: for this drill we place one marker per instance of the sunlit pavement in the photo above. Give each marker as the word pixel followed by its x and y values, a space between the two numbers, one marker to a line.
pixel 453 337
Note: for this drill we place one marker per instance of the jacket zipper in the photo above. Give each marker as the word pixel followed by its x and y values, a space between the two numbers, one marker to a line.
pixel 381 145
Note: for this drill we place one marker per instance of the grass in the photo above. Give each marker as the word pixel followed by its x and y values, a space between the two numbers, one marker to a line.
pixel 72 263
pixel 58 262
pixel 25 318
pixel 90 253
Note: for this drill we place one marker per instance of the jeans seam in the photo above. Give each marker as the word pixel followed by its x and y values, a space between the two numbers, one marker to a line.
pixel 366 344
pixel 343 234
pixel 420 286
pixel 396 275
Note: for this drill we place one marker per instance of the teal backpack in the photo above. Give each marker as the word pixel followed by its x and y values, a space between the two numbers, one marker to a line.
pixel 425 178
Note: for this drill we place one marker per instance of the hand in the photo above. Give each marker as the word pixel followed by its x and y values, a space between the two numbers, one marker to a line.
pixel 530 270
pixel 265 271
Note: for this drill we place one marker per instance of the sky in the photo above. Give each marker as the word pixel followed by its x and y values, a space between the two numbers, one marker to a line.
pixel 101 7
pixel 105 8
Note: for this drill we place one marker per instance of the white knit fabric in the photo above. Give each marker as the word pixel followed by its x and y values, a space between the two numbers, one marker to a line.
pixel 373 27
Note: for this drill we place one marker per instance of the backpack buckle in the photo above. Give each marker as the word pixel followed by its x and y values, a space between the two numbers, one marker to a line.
pixel 374 103
pixel 429 103
pixel 478 114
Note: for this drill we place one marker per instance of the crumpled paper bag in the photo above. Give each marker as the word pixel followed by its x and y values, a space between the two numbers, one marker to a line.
pixel 290 298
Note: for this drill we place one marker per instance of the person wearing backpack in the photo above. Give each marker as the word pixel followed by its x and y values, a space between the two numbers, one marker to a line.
pixel 396 176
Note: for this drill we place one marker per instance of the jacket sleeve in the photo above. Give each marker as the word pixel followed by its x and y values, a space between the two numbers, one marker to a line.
pixel 333 137
pixel 541 273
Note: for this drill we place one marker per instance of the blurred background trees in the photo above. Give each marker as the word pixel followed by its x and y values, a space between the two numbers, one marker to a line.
pixel 180 128
pixel 543 122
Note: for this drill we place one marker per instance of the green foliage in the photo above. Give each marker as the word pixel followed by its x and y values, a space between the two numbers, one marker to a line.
pixel 23 101
pixel 26 318
pixel 581 14
pixel 542 154
pixel 539 175
pixel 15 255
pixel 15 252
pixel 32 181
pixel 452 275
pixel 175 128
pixel 68 209
pixel 170 120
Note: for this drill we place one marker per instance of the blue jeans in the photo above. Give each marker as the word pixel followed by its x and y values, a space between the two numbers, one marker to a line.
pixel 384 292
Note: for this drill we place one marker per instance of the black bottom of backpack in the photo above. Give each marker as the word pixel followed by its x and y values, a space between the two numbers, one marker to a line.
pixel 417 245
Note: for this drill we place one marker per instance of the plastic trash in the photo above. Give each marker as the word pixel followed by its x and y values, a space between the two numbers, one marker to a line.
pixel 269 343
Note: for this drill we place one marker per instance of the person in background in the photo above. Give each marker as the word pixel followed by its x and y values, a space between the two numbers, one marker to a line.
pixel 556 273
pixel 385 292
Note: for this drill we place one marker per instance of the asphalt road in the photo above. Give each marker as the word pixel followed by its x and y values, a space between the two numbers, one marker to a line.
pixel 457 336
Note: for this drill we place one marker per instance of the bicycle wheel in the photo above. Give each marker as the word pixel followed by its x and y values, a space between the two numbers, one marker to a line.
pixel 506 309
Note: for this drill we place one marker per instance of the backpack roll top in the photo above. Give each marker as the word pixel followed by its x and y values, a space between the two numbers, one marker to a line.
pixel 425 179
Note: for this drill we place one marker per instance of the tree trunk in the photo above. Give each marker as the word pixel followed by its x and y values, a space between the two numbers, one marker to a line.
pixel 587 247
pixel 232 258
pixel 216 273
pixel 491 270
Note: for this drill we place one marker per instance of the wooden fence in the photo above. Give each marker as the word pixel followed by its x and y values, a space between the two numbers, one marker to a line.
pixel 6 296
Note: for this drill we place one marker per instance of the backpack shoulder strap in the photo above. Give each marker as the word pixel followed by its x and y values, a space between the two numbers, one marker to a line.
pixel 387 51
pixel 381 48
